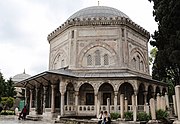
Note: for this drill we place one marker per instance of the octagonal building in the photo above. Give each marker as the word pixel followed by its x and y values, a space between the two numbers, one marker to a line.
pixel 97 53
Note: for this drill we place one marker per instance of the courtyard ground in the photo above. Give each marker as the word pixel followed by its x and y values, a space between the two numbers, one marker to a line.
pixel 14 120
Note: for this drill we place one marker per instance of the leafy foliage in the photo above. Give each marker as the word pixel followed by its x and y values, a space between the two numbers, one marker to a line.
pixel 7 102
pixel 7 112
pixel 153 54
pixel 161 114
pixel 142 116
pixel 2 85
pixel 115 115
pixel 7 92
pixel 128 116
pixel 167 40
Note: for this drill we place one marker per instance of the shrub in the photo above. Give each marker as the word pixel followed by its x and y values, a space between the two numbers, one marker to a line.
pixel 7 101
pixel 161 114
pixel 7 112
pixel 142 116
pixel 115 115
pixel 128 116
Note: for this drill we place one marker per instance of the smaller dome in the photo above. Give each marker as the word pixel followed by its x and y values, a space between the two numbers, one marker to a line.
pixel 20 77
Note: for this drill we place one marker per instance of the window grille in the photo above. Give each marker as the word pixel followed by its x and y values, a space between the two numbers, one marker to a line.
pixel 106 59
pixel 89 60
pixel 97 57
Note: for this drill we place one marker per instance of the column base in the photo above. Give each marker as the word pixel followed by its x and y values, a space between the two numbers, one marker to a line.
pixel 176 122
pixel 153 122
pixel 32 113
pixel 49 115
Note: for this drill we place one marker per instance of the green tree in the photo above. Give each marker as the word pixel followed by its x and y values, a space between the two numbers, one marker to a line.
pixel 153 53
pixel 167 40
pixel 10 90
pixel 2 85
pixel 6 87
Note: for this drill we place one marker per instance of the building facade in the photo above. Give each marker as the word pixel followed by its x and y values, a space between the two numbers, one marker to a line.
pixel 98 53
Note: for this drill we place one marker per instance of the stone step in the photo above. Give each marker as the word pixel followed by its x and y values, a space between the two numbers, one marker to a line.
pixel 34 117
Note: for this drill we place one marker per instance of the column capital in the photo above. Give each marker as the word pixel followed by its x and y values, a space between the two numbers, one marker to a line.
pixel 30 90
pixel 62 94
pixel 115 93
pixel 145 92
pixel 53 86
pixel 45 87
pixel 135 92
pixel 76 93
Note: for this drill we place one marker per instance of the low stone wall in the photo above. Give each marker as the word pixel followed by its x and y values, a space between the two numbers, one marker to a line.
pixel 83 121
pixel 76 121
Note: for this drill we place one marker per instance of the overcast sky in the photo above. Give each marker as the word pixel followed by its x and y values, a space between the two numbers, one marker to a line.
pixel 25 24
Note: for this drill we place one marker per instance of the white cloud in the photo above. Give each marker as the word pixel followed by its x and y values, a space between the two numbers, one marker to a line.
pixel 25 24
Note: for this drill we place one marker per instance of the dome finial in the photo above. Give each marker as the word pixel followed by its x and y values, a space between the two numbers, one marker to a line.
pixel 98 3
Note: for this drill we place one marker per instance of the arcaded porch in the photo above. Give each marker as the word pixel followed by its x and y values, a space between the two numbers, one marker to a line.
pixel 66 95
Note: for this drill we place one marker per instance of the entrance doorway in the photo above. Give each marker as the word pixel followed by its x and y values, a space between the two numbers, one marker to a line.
pixel 105 96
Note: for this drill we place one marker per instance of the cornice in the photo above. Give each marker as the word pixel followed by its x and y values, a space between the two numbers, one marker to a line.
pixel 98 21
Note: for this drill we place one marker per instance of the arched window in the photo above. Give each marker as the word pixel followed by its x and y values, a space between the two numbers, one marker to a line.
pixel 138 63
pixel 72 34
pixel 141 66
pixel 106 59
pixel 134 63
pixel 89 60
pixel 97 57
pixel 62 63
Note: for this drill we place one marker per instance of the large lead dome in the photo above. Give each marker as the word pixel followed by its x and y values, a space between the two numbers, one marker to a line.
pixel 98 11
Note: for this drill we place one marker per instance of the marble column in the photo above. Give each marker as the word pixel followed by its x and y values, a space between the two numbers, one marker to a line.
pixel 126 104
pixel 167 100
pixel 62 104
pixel 76 101
pixel 108 105
pixel 136 101
pixel 115 101
pixel 133 99
pixel 145 97
pixel 67 98
pixel 36 102
pixel 30 101
pixel 122 105
pixel 96 103
pixel 98 108
pixel 44 98
pixel 25 96
pixel 52 98
pixel 158 101
pixel 174 105
pixel 134 106
pixel 76 98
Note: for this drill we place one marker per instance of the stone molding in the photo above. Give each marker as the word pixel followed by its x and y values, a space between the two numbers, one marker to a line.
pixel 98 21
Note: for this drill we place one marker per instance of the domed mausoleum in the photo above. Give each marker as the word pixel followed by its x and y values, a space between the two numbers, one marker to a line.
pixel 20 91
pixel 97 53
pixel 17 78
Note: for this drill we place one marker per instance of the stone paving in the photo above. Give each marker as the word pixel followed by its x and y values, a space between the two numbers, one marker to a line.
pixel 11 119
pixel 14 120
